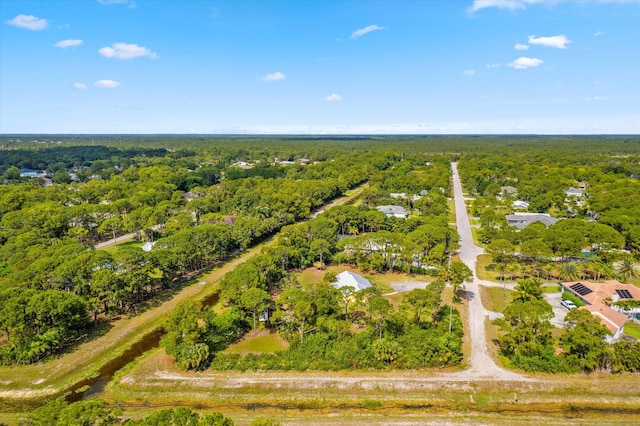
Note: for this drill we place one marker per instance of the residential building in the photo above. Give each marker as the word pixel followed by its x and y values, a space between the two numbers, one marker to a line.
pixel 519 204
pixel 351 279
pixel 393 211
pixel 600 299
pixel 522 220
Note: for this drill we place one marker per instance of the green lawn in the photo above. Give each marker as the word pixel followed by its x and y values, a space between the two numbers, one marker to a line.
pixel 476 240
pixel 551 288
pixel 130 243
pixel 262 342
pixel 482 262
pixel 494 299
pixel 452 211
pixel 632 329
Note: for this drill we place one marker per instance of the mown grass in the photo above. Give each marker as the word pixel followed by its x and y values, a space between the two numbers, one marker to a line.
pixel 476 239
pixel 451 218
pixel 126 244
pixel 260 342
pixel 632 329
pixel 551 289
pixel 482 261
pixel 495 298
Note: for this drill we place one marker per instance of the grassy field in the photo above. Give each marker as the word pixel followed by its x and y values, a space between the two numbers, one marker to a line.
pixel 632 329
pixel 551 288
pixel 495 298
pixel 131 243
pixel 262 341
pixel 482 262
pixel 452 210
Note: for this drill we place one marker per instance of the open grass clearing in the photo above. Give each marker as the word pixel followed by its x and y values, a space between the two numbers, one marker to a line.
pixel 632 329
pixel 124 244
pixel 260 341
pixel 495 298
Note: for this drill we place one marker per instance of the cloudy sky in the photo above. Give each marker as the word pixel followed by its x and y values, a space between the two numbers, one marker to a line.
pixel 353 67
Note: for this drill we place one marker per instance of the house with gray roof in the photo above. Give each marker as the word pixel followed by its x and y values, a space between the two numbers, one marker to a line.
pixel 522 220
pixel 573 192
pixel 393 211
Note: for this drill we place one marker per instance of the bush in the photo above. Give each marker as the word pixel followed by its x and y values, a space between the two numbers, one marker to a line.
pixel 570 296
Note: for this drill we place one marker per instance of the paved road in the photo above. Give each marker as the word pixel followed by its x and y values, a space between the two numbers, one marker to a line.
pixel 482 365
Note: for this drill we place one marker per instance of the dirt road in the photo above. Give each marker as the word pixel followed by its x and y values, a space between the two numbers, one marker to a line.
pixel 482 365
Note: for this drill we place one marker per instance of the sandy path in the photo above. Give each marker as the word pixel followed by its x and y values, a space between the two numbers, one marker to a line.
pixel 482 365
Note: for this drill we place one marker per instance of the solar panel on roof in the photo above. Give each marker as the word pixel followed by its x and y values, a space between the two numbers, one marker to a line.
pixel 624 294
pixel 581 289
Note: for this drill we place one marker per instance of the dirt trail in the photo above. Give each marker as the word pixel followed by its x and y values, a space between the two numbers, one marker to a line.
pixel 482 365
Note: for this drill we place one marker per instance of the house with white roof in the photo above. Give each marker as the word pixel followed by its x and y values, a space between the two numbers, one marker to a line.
pixel 395 211
pixel 351 279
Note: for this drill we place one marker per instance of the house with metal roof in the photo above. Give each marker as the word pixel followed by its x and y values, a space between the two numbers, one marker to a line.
pixel 395 211
pixel 522 220
pixel 351 279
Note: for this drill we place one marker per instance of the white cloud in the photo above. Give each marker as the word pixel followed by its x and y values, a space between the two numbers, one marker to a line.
pixel 599 33
pixel 519 46
pixel 523 4
pixel 501 4
pixel 126 51
pixel 559 41
pixel 498 65
pixel 523 62
pixel 365 30
pixel 469 72
pixel 68 43
pixel 106 84
pixel 274 76
pixel 29 22
pixel 594 98
pixel 333 98
pixel 79 86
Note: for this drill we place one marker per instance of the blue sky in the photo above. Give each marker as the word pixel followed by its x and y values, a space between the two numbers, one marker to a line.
pixel 352 67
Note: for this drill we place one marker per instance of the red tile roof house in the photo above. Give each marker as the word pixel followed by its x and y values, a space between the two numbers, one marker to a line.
pixel 594 295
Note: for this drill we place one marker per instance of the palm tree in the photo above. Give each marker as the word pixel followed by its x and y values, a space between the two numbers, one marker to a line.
pixel 528 289
pixel 569 271
pixel 501 267
pixel 627 270
pixel 599 269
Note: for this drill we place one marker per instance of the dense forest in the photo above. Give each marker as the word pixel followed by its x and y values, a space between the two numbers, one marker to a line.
pixel 202 199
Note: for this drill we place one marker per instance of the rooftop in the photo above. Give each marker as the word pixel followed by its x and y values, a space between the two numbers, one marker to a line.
pixel 351 279
pixel 522 220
